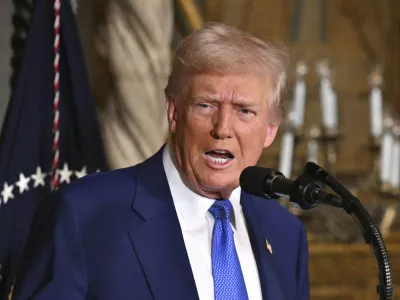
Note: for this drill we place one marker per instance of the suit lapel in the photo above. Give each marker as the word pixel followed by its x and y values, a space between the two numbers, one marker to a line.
pixel 157 239
pixel 259 232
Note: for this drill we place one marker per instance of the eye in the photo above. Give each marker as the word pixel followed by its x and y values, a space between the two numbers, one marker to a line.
pixel 204 105
pixel 204 109
pixel 246 111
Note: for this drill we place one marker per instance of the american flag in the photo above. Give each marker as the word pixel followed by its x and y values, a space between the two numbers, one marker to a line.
pixel 50 135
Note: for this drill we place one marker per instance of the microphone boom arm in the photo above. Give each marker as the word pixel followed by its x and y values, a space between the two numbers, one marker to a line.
pixel 371 233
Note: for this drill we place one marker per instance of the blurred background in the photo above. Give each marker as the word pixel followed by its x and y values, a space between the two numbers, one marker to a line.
pixel 342 103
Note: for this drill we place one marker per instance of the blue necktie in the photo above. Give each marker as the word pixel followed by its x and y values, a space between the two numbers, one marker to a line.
pixel 228 277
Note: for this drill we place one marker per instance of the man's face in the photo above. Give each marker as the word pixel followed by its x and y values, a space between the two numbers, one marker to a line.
pixel 219 129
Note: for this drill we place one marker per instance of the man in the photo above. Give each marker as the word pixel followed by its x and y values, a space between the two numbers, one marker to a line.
pixel 177 226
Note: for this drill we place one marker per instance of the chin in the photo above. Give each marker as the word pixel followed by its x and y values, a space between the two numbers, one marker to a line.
pixel 217 185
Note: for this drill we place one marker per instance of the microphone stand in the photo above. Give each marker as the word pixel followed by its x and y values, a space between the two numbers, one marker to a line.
pixel 371 233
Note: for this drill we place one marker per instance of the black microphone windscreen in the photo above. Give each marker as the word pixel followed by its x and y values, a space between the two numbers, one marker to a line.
pixel 252 180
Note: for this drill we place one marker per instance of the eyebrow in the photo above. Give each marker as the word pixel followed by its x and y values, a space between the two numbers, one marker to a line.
pixel 206 98
pixel 215 99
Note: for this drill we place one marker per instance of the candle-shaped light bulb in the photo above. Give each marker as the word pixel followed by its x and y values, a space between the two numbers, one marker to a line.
pixel 287 153
pixel 386 151
pixel 328 97
pixel 312 145
pixel 332 122
pixel 395 163
pixel 375 104
pixel 299 95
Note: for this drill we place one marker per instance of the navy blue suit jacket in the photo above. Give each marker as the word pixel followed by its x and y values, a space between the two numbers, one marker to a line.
pixel 116 235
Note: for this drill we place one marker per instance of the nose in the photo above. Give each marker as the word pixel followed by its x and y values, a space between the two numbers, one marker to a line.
pixel 222 128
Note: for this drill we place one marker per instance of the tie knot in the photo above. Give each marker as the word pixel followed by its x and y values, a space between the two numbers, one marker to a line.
pixel 221 209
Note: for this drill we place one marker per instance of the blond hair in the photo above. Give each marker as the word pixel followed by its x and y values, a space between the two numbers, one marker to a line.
pixel 219 48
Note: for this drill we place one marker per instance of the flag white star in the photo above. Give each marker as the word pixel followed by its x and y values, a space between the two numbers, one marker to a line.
pixel 38 177
pixel 65 174
pixel 22 183
pixel 7 192
pixel 81 173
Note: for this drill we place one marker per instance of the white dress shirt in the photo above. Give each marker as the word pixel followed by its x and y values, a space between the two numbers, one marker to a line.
pixel 197 225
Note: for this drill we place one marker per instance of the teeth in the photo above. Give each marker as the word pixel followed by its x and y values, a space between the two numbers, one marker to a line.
pixel 220 151
pixel 217 160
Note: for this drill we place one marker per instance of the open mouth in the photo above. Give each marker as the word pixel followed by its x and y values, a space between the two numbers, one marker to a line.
pixel 219 156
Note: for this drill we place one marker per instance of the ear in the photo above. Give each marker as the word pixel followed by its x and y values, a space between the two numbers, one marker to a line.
pixel 171 112
pixel 271 134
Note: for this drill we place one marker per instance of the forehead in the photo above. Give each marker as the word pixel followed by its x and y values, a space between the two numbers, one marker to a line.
pixel 246 87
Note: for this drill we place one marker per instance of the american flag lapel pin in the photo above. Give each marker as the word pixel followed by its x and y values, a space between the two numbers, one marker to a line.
pixel 268 245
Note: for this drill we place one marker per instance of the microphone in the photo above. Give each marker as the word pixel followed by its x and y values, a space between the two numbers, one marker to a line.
pixel 304 192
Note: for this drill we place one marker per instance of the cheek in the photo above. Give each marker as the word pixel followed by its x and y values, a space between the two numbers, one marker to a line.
pixel 252 151
pixel 251 141
pixel 194 134
pixel 197 128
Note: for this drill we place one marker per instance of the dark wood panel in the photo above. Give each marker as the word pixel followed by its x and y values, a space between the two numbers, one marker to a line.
pixel 392 69
pixel 342 271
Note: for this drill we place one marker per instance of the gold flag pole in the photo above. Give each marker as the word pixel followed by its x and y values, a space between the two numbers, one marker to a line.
pixel 191 13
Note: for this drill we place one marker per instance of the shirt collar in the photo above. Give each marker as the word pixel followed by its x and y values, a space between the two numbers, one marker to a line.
pixel 191 208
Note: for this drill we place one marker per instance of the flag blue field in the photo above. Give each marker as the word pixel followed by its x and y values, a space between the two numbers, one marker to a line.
pixel 27 137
